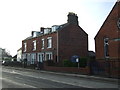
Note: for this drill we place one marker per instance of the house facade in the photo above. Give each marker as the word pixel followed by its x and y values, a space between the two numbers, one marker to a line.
pixel 19 55
pixel 107 40
pixel 58 43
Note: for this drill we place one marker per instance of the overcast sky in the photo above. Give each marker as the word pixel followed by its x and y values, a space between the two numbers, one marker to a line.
pixel 19 17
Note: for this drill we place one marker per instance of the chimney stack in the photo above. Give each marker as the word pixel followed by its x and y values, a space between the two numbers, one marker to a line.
pixel 42 30
pixel 72 18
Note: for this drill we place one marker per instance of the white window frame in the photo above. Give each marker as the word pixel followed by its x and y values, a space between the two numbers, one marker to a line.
pixel 50 56
pixel 25 47
pixel 34 45
pixel 43 43
pixel 46 31
pixel 28 58
pixel 41 57
pixel 33 58
pixel 24 56
pixel 49 42
pixel 106 47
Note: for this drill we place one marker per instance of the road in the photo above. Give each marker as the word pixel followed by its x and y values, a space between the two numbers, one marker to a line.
pixel 15 78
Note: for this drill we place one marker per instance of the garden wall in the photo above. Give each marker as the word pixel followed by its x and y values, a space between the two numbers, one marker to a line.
pixel 68 69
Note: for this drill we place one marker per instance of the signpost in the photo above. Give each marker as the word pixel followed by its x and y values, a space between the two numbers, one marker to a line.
pixel 77 60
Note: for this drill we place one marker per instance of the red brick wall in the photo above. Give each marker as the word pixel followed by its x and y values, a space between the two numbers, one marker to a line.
pixel 110 30
pixel 54 44
pixel 39 44
pixel 68 69
pixel 30 45
pixel 72 41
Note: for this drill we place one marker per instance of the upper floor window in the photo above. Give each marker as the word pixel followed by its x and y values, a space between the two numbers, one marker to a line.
pixel 49 42
pixel 47 30
pixel 34 45
pixel 43 43
pixel 25 47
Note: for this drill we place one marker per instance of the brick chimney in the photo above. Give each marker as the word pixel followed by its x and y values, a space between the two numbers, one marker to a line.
pixel 42 30
pixel 72 18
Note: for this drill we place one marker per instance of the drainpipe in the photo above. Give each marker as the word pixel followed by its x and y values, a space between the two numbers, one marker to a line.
pixel 118 23
pixel 57 48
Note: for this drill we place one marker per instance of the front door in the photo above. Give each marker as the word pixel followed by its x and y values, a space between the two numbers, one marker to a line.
pixel 40 57
pixel 40 60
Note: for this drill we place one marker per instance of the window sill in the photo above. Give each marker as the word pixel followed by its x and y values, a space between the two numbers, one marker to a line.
pixel 49 47
pixel 34 49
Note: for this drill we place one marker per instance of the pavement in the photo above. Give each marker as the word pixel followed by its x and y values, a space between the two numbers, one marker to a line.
pixel 113 80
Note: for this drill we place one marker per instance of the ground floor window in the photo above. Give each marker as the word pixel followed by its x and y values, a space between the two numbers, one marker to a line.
pixel 40 57
pixel 49 56
pixel 28 59
pixel 24 56
pixel 33 58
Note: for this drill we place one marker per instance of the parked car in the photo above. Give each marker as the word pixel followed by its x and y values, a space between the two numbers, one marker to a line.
pixel 6 63
pixel 3 62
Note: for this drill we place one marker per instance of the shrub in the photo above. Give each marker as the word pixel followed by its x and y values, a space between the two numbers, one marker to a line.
pixel 83 62
pixel 68 63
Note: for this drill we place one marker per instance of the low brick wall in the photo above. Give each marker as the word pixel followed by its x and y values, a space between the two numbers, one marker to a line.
pixel 68 69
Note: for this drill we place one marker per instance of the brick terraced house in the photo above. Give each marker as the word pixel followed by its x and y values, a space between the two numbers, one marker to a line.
pixel 57 43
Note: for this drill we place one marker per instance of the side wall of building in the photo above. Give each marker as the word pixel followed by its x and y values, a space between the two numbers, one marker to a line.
pixel 72 41
pixel 108 30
